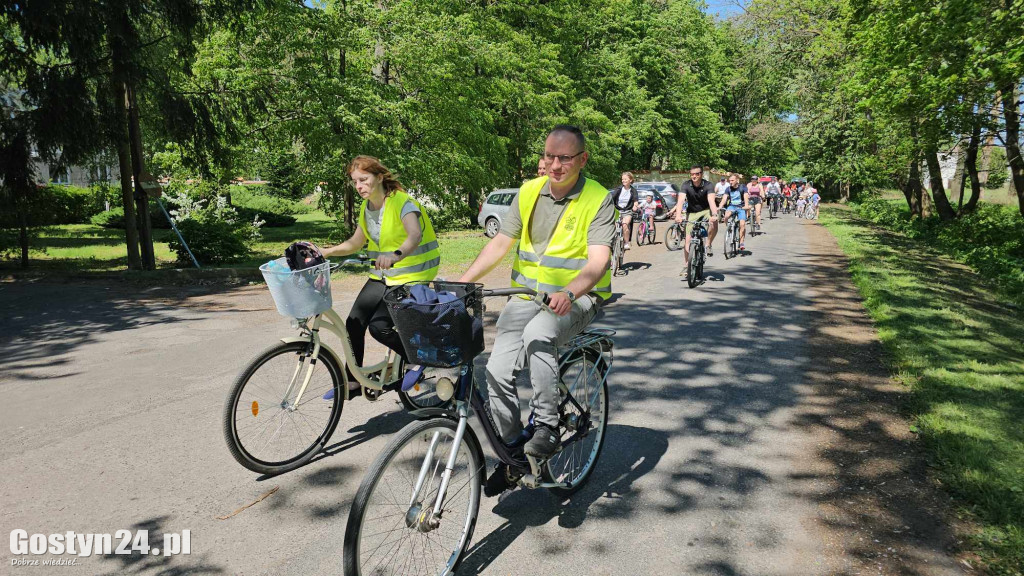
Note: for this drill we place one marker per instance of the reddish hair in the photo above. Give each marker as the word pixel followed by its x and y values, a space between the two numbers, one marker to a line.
pixel 373 166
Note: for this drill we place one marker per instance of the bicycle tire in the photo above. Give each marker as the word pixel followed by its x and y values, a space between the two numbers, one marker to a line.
pixel 589 357
pixel 241 451
pixel 652 233
pixel 354 530
pixel 692 278
pixel 617 250
pixel 641 233
pixel 674 238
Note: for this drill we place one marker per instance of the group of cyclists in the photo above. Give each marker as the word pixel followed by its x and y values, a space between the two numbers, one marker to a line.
pixel 729 198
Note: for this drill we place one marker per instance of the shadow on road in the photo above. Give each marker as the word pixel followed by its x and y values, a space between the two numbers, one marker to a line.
pixel 35 338
pixel 137 562
pixel 629 454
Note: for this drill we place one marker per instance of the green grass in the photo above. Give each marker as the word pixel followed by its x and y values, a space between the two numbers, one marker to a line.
pixel 84 247
pixel 958 346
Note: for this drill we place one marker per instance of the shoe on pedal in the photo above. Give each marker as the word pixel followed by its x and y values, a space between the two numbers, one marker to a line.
pixel 545 442
pixel 499 481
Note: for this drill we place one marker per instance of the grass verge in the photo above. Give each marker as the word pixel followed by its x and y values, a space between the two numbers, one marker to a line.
pixel 957 346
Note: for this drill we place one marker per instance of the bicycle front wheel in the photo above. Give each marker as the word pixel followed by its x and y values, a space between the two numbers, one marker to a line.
pixel 693 270
pixel 268 428
pixel 617 249
pixel 674 237
pixel 651 234
pixel 583 414
pixel 390 530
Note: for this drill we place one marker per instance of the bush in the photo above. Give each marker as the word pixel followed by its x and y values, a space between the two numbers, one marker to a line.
pixel 55 205
pixel 263 198
pixel 212 240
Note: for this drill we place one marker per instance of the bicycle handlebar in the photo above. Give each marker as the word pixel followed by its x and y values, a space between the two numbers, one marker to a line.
pixel 361 260
pixel 543 297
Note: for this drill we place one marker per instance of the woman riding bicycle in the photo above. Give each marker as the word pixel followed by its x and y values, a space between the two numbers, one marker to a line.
pixel 398 234
pixel 625 199
pixel 754 193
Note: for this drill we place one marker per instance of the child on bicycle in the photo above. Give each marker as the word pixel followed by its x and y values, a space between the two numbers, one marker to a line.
pixel 647 208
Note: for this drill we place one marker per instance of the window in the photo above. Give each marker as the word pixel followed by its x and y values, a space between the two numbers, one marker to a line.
pixel 494 199
pixel 506 199
pixel 60 175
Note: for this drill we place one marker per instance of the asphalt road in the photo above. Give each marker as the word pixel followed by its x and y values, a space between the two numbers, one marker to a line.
pixel 111 415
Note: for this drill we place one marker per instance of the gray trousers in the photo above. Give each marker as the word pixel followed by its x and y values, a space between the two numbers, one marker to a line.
pixel 529 333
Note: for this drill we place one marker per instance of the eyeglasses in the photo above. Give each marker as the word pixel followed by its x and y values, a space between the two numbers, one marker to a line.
pixel 696 173
pixel 563 158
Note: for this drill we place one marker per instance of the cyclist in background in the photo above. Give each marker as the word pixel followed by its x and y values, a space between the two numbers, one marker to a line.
pixel 738 205
pixel 697 197
pixel 720 187
pixel 754 196
pixel 814 199
pixel 774 191
pixel 647 208
pixel 625 199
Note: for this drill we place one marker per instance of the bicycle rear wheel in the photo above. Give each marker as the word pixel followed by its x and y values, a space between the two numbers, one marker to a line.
pixel 674 237
pixel 422 395
pixel 583 419
pixel 387 530
pixel 266 430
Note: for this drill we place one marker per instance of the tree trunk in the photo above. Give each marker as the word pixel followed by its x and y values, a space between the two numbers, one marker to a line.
pixel 119 135
pixel 971 168
pixel 912 191
pixel 23 230
pixel 1012 118
pixel 941 202
pixel 141 199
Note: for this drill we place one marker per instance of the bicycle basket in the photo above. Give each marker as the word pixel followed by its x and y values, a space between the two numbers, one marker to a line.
pixel 298 293
pixel 434 333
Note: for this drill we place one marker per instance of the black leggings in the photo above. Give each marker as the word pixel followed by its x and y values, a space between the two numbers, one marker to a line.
pixel 369 311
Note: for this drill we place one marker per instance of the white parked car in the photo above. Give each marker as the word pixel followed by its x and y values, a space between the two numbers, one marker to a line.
pixel 493 210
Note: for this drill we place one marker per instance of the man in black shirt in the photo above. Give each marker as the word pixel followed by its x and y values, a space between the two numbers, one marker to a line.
pixel 698 197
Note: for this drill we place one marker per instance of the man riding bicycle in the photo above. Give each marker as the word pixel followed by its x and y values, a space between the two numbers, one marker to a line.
pixel 564 224
pixel 739 203
pixel 698 196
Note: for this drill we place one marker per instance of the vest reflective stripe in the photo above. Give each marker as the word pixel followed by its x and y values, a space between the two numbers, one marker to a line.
pixel 567 250
pixel 553 261
pixel 415 268
pixel 421 264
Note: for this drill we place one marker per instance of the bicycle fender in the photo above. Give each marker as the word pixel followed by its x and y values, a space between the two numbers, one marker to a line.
pixel 323 348
pixel 436 412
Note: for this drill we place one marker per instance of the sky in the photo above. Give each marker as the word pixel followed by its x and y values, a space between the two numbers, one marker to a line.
pixel 724 8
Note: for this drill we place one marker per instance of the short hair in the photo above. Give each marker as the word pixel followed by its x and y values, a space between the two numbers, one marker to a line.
pixel 570 129
pixel 698 166
pixel 630 174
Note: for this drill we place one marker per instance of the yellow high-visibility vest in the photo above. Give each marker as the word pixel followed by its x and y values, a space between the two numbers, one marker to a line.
pixel 566 253
pixel 421 264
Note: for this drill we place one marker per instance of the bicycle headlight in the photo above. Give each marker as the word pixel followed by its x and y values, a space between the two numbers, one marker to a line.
pixel 445 388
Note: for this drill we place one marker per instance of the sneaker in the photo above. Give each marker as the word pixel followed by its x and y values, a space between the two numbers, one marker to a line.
pixel 625 246
pixel 544 443
pixel 742 247
pixel 708 252
pixel 685 272
pixel 500 480
pixel 412 376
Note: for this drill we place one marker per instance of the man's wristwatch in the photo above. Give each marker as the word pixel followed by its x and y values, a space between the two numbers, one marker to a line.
pixel 398 253
pixel 572 297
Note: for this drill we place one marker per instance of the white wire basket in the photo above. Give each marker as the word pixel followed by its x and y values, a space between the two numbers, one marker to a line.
pixel 298 293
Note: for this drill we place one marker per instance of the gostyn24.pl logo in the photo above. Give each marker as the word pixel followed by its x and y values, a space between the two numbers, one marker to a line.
pixel 123 542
